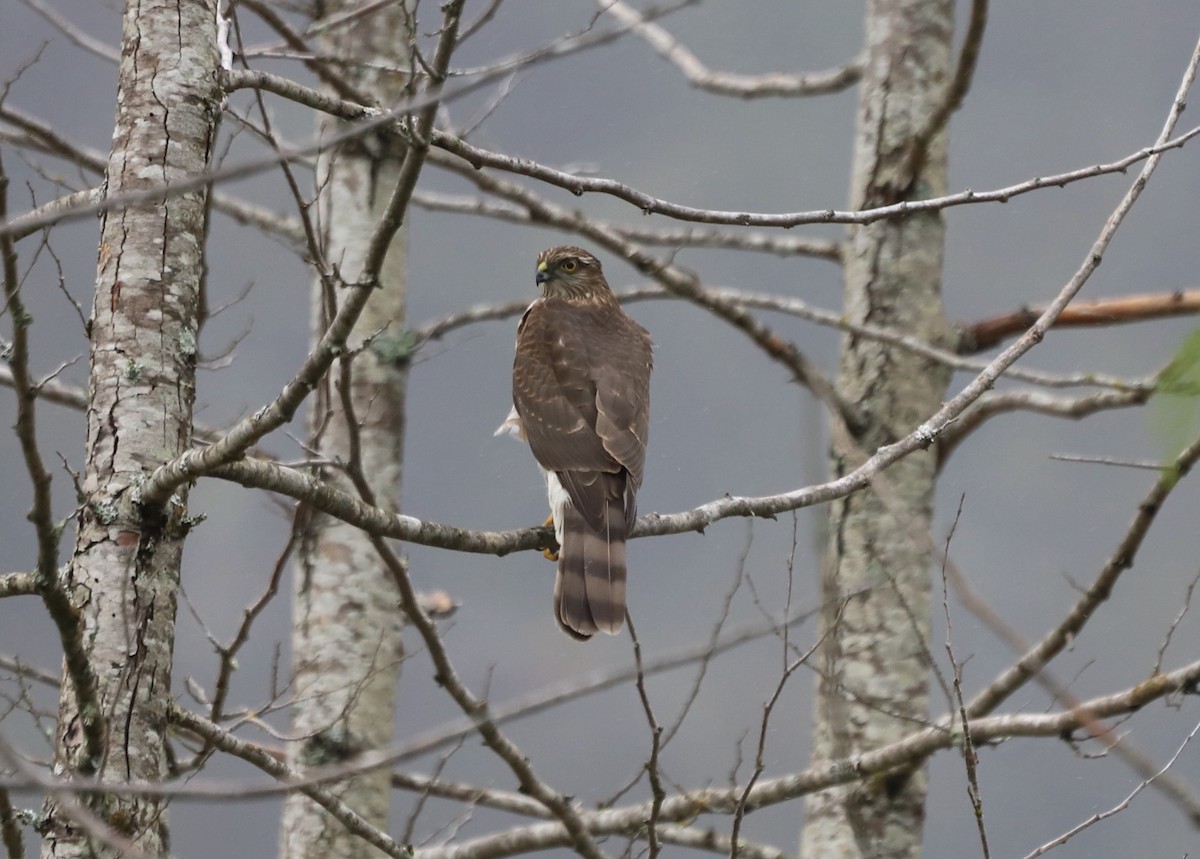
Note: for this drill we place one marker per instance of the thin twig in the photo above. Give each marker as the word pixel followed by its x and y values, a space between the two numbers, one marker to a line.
pixel 725 83
pixel 1122 558
pixel 970 758
pixel 1183 610
pixel 476 709
pixel 49 586
pixel 1118 808
pixel 75 34
pixel 223 740
pixel 1071 408
pixel 657 792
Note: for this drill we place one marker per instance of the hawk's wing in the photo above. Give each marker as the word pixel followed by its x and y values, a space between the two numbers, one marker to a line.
pixel 581 384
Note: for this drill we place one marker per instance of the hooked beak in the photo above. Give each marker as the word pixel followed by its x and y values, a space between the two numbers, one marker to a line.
pixel 543 273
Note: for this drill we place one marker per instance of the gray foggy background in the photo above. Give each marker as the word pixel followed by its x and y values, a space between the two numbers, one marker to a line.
pixel 1060 85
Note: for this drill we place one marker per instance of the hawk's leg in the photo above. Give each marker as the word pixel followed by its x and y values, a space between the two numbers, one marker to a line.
pixel 550 554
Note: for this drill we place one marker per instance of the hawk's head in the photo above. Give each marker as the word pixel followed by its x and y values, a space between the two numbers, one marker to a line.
pixel 568 272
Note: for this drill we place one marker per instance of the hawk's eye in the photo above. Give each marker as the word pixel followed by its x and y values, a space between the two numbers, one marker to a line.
pixel 569 265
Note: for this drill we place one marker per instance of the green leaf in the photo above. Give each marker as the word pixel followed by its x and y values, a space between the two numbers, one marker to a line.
pixel 1175 407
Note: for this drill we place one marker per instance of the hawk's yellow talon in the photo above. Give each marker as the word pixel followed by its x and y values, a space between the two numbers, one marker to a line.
pixel 549 554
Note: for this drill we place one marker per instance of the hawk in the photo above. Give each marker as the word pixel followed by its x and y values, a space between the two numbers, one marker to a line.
pixel 581 399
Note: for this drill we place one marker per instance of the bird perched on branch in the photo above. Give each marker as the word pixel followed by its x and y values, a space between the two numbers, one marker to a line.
pixel 581 399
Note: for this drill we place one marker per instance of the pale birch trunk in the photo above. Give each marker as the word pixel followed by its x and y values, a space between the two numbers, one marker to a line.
pixel 874 663
pixel 347 619
pixel 124 573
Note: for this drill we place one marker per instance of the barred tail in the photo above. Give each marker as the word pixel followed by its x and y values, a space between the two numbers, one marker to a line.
pixel 589 590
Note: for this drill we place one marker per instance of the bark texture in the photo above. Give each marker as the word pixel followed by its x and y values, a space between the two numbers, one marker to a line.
pixel 124 574
pixel 874 660
pixel 346 634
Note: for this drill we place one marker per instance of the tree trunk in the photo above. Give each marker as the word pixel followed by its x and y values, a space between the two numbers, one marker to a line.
pixel 124 574
pixel 346 638
pixel 874 659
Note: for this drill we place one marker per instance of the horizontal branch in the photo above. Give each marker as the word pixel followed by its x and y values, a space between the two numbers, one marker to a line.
pixel 517 803
pixel 18 585
pixel 1071 408
pixel 41 137
pixel 915 748
pixel 803 310
pixel 368 118
pixel 904 753
pixel 301 486
pixel 36 219
pixel 691 237
pixel 478 158
pixel 978 336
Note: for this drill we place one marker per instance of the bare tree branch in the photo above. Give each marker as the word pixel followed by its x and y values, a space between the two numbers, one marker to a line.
pixel 562 807
pixel 916 747
pixel 1177 790
pixel 75 34
pixel 338 83
pixel 725 83
pixel 18 585
pixel 1121 560
pixel 478 158
pixel 221 739
pixel 690 237
pixel 792 307
pixel 1074 408
pixel 36 219
pixel 1119 807
pixel 52 142
pixel 979 336
pixel 46 577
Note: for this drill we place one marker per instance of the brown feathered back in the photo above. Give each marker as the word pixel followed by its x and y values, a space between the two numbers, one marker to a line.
pixel 581 386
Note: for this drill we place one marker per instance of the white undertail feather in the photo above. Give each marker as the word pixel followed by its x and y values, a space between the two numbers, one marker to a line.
pixel 512 425
pixel 559 499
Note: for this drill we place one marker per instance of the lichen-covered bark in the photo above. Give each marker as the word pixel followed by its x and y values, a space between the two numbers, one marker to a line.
pixel 346 615
pixel 873 662
pixel 124 573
